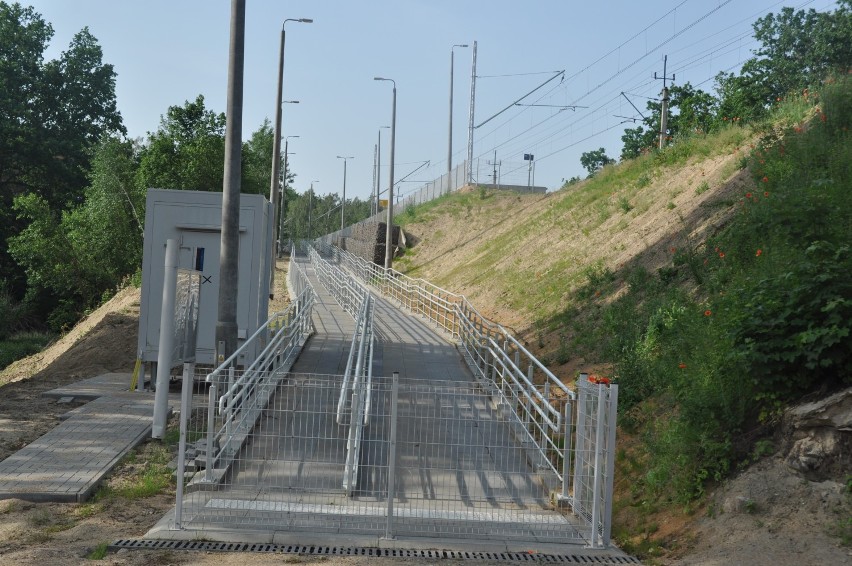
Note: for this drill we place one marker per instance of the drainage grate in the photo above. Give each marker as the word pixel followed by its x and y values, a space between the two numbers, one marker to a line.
pixel 143 544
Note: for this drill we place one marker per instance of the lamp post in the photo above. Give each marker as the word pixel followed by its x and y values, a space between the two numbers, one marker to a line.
pixel 389 234
pixel 282 210
pixel 276 143
pixel 450 144
pixel 379 167
pixel 343 200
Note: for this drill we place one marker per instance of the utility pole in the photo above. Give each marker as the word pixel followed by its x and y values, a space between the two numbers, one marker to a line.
pixel 529 157
pixel 495 168
pixel 226 324
pixel 343 200
pixel 470 127
pixel 283 200
pixel 450 144
pixel 664 109
pixel 373 189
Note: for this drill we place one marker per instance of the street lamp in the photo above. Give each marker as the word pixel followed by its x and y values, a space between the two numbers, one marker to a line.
pixel 343 200
pixel 450 144
pixel 379 168
pixel 389 234
pixel 282 210
pixel 276 140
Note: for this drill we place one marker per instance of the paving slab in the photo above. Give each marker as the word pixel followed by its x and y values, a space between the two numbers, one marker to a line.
pixel 68 463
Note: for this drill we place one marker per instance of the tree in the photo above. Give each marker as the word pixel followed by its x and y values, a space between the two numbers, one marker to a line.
pixel 798 49
pixel 637 140
pixel 52 116
pixel 595 160
pixel 187 151
pixel 72 257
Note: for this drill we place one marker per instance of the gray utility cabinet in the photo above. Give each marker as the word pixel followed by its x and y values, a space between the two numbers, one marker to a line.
pixel 194 220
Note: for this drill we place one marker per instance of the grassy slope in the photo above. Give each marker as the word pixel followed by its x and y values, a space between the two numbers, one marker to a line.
pixel 709 278
pixel 522 259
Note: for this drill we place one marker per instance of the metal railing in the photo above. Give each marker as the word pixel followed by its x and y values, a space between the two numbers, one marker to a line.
pixel 355 392
pixel 438 462
pixel 246 388
pixel 540 404
pixel 526 386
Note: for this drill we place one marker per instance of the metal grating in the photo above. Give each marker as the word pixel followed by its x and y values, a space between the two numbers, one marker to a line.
pixel 315 550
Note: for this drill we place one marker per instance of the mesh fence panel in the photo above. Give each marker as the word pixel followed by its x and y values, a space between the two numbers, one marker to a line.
pixel 460 467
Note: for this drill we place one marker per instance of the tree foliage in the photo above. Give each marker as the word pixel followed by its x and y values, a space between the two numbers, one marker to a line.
pixel 71 257
pixel 187 151
pixel 798 49
pixel 595 160
pixel 53 114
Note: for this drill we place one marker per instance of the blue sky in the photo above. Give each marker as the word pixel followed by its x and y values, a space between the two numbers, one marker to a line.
pixel 166 52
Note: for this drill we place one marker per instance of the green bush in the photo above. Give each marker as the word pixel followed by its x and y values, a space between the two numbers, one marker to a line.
pixel 765 316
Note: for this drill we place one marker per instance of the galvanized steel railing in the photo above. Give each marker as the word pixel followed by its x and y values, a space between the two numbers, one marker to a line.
pixel 490 350
pixel 246 389
pixel 541 404
pixel 355 392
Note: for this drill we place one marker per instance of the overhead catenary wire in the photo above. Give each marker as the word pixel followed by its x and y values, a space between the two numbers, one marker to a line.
pixel 694 61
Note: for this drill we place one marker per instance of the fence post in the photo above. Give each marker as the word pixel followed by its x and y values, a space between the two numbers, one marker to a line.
pixel 566 448
pixel 612 410
pixel 599 447
pixel 211 423
pixel 392 455
pixel 185 401
pixel 580 446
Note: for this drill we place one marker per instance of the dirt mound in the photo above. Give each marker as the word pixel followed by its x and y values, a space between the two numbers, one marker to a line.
pixel 102 342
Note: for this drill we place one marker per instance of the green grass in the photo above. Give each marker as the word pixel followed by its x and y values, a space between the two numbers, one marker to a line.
pixel 99 552
pixel 21 345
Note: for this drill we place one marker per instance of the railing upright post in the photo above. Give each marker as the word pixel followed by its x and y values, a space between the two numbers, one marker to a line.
pixel 566 451
pixel 580 445
pixel 229 411
pixel 600 423
pixel 394 404
pixel 211 423
pixel 185 400
pixel 612 410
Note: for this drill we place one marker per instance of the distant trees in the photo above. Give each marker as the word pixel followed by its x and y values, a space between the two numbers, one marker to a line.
pixel 72 187
pixel 323 212
pixel 691 110
pixel 595 160
pixel 798 49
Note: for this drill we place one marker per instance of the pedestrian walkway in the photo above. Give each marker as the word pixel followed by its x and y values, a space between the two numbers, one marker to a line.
pixel 460 471
pixel 68 463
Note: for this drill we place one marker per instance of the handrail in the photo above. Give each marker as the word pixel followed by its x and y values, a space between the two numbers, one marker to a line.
pixel 356 386
pixel 492 352
pixel 246 395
